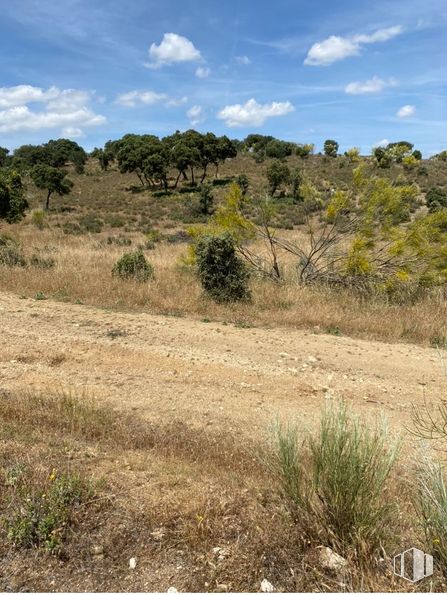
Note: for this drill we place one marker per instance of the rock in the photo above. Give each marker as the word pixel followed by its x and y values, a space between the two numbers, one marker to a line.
pixel 132 563
pixel 97 550
pixel 172 590
pixel 158 533
pixel 266 586
pixel 330 560
pixel 312 359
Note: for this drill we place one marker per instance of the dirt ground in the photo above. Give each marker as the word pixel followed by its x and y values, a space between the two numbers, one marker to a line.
pixel 208 374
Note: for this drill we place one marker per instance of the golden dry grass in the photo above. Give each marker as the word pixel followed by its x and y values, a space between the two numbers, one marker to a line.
pixel 83 274
pixel 169 507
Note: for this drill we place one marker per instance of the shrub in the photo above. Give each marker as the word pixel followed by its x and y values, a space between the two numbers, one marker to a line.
pixel 41 262
pixel 91 223
pixel 431 507
pixel 38 218
pixel 222 273
pixel 10 254
pixel 44 512
pixel 133 265
pixel 206 199
pixel 436 198
pixel 243 183
pixel 335 481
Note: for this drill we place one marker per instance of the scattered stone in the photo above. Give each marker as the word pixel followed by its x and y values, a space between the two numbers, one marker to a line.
pixel 266 586
pixel 172 590
pixel 284 354
pixel 132 563
pixel 158 533
pixel 312 359
pixel 331 560
pixel 96 550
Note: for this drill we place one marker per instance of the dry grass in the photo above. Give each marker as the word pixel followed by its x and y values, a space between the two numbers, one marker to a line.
pixel 168 505
pixel 82 274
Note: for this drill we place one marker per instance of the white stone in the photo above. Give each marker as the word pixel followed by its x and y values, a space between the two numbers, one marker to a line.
pixel 132 563
pixel 266 586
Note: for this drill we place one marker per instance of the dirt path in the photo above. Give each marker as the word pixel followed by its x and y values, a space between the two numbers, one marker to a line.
pixel 207 374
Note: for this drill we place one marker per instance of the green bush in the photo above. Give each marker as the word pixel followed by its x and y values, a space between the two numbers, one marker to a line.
pixel 436 198
pixel 41 262
pixel 134 266
pixel 335 481
pixel 222 273
pixel 10 253
pixel 91 223
pixel 44 513
pixel 38 218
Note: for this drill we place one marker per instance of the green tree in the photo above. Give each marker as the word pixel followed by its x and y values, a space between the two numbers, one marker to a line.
pixel 12 202
pixel 3 156
pixel 52 180
pixel 330 148
pixel 296 179
pixel 278 174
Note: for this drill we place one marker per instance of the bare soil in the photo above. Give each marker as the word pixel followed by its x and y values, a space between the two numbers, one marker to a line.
pixel 209 375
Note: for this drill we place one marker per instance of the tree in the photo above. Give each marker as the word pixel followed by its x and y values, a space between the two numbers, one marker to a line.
pixel 278 174
pixel 304 151
pixel 296 179
pixel 3 156
pixel 52 180
pixel 12 202
pixel 330 148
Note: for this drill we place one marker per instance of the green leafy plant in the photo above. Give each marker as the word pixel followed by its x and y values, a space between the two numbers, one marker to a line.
pixel 45 512
pixel 133 266
pixel 335 480
pixel 222 273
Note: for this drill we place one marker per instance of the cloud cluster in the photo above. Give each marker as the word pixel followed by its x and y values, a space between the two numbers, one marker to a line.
pixel 133 98
pixel 195 115
pixel 173 48
pixel 67 109
pixel 336 48
pixel 253 113
pixel 374 85
pixel 406 111
pixel 203 72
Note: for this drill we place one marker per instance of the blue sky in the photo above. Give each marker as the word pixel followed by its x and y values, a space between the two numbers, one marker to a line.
pixel 360 72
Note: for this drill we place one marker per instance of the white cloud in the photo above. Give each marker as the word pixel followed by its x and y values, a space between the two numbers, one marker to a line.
pixel 173 48
pixel 22 118
pixel 406 111
pixel 195 115
pixel 66 108
pixel 381 143
pixel 374 85
pixel 133 98
pixel 253 113
pixel 177 102
pixel 203 72
pixel 336 48
pixel 245 60
pixel 72 132
pixel 23 94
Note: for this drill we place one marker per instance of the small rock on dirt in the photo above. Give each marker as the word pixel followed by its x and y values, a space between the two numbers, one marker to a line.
pixel 331 560
pixel 266 586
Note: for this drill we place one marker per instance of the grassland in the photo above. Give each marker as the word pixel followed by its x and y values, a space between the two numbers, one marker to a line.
pixel 165 417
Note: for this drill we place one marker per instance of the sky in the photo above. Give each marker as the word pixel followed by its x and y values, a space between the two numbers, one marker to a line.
pixel 363 73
